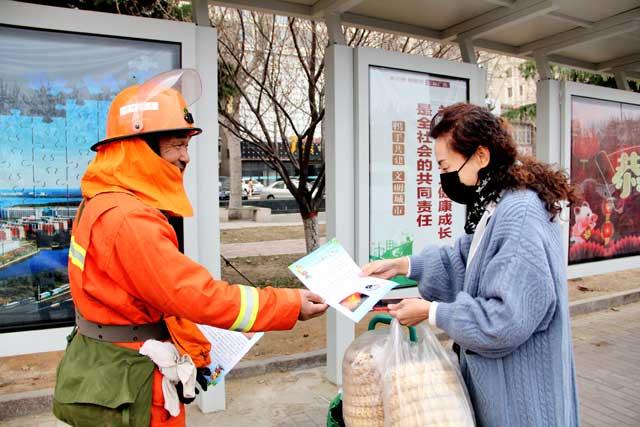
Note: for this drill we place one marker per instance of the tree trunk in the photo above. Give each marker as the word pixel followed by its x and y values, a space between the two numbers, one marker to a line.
pixel 224 152
pixel 235 174
pixel 311 235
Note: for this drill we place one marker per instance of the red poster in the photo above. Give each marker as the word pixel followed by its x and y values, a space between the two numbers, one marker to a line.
pixel 605 165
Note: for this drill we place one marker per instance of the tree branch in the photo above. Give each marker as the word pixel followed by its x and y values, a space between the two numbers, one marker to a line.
pixel 295 43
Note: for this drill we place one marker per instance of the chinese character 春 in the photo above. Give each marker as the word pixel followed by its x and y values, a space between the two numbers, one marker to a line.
pixel 628 165
pixel 398 187
pixel 397 176
pixel 425 151
pixel 424 220
pixel 444 232
pixel 424 178
pixel 445 205
pixel 445 219
pixel 397 126
pixel 424 206
pixel 424 109
pixel 424 192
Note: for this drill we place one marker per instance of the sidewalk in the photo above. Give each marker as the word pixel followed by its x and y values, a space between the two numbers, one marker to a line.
pixel 277 220
pixel 607 349
pixel 277 247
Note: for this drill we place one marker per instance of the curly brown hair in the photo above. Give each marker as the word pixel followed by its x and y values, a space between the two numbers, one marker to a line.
pixel 472 126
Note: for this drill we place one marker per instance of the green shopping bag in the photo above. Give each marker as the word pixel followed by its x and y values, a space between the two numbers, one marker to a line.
pixel 334 417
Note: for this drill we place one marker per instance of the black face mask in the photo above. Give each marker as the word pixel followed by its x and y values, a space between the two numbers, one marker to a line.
pixel 456 190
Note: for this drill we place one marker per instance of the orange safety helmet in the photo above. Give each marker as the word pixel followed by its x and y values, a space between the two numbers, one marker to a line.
pixel 158 106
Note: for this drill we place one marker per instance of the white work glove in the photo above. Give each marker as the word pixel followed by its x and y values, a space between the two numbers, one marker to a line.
pixel 174 369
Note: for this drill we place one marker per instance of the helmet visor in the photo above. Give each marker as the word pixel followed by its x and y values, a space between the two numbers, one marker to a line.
pixel 185 81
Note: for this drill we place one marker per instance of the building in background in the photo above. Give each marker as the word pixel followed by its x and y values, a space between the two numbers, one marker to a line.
pixel 255 168
pixel 507 89
pixel 506 84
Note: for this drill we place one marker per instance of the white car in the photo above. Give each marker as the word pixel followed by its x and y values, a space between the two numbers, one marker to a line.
pixel 277 190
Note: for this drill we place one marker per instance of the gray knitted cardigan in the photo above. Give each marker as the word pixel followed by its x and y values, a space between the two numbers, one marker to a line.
pixel 509 313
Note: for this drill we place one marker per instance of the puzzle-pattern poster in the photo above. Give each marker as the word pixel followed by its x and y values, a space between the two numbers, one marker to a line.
pixel 55 91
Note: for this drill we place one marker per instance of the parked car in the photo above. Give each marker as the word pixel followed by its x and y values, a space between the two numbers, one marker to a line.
pixel 224 190
pixel 223 194
pixel 277 190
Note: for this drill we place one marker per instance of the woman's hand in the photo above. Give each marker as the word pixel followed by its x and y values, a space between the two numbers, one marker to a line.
pixel 411 311
pixel 386 268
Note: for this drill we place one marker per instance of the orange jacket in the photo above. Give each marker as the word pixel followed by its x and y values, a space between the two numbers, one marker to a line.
pixel 133 273
pixel 125 268
pixel 188 339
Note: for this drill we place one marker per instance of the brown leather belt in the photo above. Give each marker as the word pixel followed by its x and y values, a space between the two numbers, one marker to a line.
pixel 121 333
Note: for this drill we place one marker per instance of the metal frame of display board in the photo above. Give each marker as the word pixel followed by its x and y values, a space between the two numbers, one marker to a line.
pixel 567 91
pixel 201 232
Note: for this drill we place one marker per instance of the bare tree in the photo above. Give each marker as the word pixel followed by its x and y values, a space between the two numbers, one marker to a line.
pixel 275 67
pixel 277 74
pixel 230 23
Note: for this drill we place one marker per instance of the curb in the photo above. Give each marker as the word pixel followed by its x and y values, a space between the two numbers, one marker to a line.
pixel 298 361
pixel 33 402
pixel 603 303
pixel 27 403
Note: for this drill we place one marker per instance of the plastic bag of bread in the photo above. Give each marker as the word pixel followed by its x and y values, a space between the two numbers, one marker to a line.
pixel 361 380
pixel 362 371
pixel 422 385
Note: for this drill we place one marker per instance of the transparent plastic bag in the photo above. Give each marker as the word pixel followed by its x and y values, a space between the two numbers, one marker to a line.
pixel 422 386
pixel 362 404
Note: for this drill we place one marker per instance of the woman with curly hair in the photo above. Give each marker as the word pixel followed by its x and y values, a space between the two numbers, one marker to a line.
pixel 501 291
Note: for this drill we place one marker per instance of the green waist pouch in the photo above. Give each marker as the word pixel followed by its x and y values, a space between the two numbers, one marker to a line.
pixel 101 384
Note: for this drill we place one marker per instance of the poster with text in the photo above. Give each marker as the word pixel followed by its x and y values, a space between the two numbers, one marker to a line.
pixel 408 209
pixel 55 91
pixel 605 165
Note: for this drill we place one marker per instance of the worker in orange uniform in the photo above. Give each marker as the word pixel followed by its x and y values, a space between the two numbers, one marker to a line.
pixel 131 285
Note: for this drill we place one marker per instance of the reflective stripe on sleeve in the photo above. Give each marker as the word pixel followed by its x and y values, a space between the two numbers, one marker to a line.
pixel 77 254
pixel 249 304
